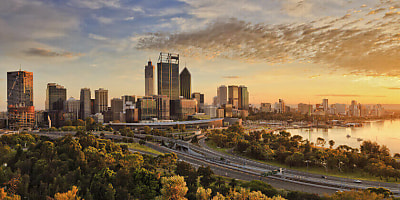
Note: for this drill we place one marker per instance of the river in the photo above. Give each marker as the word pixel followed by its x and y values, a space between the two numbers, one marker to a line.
pixel 385 132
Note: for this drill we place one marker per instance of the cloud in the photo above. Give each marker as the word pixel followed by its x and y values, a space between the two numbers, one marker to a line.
pixel 103 20
pixel 231 77
pixel 97 37
pixel 48 53
pixel 95 4
pixel 393 88
pixel 129 18
pixel 356 42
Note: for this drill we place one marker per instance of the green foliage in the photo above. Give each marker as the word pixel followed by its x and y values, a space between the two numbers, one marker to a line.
pixel 99 168
pixel 293 151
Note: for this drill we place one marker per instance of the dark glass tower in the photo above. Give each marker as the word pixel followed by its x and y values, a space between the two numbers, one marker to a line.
pixel 243 98
pixel 56 95
pixel 185 83
pixel 168 75
pixel 85 103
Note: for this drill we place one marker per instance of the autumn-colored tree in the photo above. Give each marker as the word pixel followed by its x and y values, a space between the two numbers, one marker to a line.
pixel 173 188
pixel 69 195
pixel 203 194
pixel 355 195
pixel 5 196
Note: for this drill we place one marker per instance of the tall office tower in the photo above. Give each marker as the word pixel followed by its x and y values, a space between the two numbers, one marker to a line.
pixel 21 112
pixel 233 96
pixel 163 106
pixel 185 83
pixel 72 108
pixel 168 75
pixel 147 107
pixel 243 98
pixel 149 79
pixel 117 107
pixel 85 100
pixel 100 100
pixel 325 105
pixel 222 93
pixel 56 95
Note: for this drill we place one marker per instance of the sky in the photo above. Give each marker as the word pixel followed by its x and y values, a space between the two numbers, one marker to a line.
pixel 296 50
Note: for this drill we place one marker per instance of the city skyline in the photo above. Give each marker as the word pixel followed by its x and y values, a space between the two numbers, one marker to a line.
pixel 81 44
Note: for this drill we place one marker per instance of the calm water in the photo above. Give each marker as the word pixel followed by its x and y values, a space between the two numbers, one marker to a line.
pixel 383 132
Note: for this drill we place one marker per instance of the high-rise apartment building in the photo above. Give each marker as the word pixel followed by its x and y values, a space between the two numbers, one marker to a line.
pixel 85 103
pixel 168 75
pixel 222 94
pixel 21 112
pixel 149 79
pixel 243 98
pixel 233 96
pixel 185 83
pixel 100 100
pixel 56 95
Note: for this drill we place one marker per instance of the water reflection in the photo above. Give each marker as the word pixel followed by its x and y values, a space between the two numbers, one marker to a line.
pixel 384 132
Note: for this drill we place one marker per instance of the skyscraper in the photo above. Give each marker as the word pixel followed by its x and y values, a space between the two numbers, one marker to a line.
pixel 85 109
pixel 72 108
pixel 233 96
pixel 100 100
pixel 185 83
pixel 325 104
pixel 168 75
pixel 243 98
pixel 149 79
pixel 222 93
pixel 21 113
pixel 117 107
pixel 56 95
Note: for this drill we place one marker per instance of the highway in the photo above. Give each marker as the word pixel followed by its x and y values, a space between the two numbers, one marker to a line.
pixel 234 166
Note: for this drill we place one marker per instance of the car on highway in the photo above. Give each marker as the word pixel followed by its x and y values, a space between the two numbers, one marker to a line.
pixel 324 177
pixel 357 181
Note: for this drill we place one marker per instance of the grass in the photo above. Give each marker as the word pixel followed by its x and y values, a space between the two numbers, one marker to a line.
pixel 137 146
pixel 358 174
pixel 212 145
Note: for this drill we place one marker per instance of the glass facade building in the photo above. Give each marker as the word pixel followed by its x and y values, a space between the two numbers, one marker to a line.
pixel 147 108
pixel 185 83
pixel 243 98
pixel 85 101
pixel 168 75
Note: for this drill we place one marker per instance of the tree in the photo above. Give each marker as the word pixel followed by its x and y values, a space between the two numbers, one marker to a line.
pixel 69 195
pixel 203 194
pixel 173 188
pixel 321 141
pixel 147 129
pixel 5 196
pixel 356 194
pixel 331 143
pixel 207 176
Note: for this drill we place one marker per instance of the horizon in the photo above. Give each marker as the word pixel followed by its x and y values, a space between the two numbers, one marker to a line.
pixel 298 51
